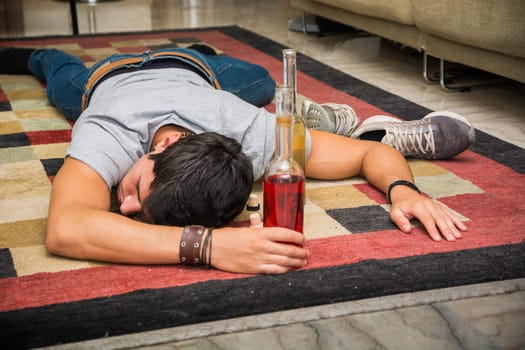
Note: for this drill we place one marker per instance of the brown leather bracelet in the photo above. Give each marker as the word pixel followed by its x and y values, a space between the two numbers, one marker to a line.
pixel 190 248
pixel 206 248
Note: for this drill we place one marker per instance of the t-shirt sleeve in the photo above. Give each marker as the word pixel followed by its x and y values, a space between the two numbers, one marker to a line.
pixel 93 145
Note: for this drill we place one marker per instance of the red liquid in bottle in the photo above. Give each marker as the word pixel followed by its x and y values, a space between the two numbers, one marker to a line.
pixel 284 201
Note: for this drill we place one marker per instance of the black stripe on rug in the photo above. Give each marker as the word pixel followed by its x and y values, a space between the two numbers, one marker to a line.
pixel 486 145
pixel 7 266
pixel 154 309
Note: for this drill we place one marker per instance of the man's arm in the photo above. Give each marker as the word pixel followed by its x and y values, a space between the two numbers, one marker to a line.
pixel 81 226
pixel 338 157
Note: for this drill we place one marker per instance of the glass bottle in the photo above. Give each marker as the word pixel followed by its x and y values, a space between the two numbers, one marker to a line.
pixel 283 185
pixel 299 128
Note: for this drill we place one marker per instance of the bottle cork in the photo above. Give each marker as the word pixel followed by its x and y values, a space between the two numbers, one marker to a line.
pixel 255 220
pixel 253 203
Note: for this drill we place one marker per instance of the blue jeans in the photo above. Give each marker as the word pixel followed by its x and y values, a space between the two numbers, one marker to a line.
pixel 69 83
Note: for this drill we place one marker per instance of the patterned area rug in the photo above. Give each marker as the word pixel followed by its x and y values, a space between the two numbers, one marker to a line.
pixel 356 251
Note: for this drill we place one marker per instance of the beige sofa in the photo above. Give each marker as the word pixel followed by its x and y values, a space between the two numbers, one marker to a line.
pixel 484 34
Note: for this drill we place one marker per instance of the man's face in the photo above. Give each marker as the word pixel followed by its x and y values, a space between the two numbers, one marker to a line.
pixel 135 186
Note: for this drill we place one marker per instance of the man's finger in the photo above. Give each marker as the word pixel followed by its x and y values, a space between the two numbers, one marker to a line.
pixel 399 218
pixel 279 234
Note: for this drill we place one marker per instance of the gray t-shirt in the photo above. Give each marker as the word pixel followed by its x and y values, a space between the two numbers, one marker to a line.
pixel 125 111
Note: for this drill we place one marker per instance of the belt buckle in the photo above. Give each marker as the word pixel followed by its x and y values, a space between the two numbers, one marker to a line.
pixel 147 56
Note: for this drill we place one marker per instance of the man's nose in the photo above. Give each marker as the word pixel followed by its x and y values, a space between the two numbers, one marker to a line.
pixel 130 205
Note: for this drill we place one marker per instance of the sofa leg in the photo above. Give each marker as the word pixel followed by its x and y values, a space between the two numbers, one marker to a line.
pixel 305 24
pixel 426 74
pixel 442 73
pixel 444 83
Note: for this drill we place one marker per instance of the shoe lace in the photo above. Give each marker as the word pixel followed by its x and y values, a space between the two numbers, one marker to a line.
pixel 411 138
pixel 346 119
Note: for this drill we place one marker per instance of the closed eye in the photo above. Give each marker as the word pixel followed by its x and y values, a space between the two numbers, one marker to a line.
pixel 138 191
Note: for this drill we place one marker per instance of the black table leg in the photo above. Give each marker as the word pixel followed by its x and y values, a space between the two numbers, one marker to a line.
pixel 74 19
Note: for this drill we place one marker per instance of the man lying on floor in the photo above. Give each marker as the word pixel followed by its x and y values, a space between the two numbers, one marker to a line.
pixel 182 138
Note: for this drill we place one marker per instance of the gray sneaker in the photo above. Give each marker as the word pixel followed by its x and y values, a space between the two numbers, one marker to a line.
pixel 439 135
pixel 331 117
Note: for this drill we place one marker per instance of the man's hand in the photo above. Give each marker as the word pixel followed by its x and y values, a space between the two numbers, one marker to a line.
pixel 258 250
pixel 436 218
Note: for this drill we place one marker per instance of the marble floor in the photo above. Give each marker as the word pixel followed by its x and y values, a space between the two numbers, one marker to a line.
pixel 487 316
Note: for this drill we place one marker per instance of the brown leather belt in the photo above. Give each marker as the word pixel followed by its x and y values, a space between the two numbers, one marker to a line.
pixel 162 59
pixel 156 64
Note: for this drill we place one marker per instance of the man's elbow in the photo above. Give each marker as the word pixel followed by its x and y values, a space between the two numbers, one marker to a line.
pixel 58 241
pixel 53 240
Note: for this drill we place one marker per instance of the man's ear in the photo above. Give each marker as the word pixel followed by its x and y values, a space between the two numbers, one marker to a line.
pixel 166 142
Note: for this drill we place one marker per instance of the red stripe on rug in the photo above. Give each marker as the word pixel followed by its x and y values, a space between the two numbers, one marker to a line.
pixel 486 173
pixel 48 136
pixel 3 97
pixel 396 244
pixel 66 286
pixel 133 49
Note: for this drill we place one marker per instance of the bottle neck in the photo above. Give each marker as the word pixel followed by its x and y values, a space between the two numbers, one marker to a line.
pixel 283 137
pixel 284 123
pixel 290 73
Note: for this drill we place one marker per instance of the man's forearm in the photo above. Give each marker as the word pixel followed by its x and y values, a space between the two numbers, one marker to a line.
pixel 85 233
pixel 382 165
pixel 109 237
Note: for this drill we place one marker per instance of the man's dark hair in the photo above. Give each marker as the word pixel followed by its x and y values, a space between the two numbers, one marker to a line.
pixel 202 179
